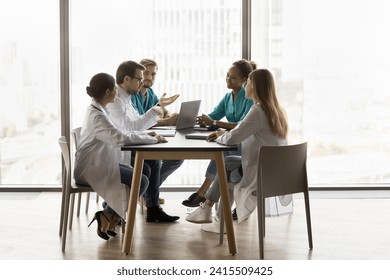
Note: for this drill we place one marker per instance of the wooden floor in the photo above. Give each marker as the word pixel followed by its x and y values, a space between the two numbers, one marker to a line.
pixel 343 229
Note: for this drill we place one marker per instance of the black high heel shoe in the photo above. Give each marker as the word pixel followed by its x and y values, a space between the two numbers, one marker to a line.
pixel 115 221
pixel 103 224
pixel 111 229
pixel 112 232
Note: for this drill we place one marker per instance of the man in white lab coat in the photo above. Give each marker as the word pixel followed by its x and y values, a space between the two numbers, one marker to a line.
pixel 129 77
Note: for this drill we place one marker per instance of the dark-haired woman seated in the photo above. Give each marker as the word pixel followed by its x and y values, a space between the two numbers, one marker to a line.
pixel 97 162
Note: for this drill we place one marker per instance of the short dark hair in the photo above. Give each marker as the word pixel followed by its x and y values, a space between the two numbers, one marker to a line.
pixel 127 68
pixel 99 84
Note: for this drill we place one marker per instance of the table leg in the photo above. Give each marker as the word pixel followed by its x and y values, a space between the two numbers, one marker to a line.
pixel 224 189
pixel 134 192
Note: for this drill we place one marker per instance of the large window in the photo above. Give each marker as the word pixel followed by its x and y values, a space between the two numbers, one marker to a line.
pixel 331 59
pixel 29 88
pixel 194 43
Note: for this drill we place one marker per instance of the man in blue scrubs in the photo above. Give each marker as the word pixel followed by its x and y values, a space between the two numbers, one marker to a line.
pixel 147 99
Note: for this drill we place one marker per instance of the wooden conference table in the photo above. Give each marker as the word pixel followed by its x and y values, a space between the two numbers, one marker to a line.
pixel 178 147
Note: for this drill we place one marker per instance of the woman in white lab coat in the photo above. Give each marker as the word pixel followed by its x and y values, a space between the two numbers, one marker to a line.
pixel 265 124
pixel 97 161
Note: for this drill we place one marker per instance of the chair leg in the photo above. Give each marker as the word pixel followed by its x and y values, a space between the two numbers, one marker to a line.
pixel 62 204
pixel 87 202
pixel 263 220
pixel 142 202
pixel 65 222
pixel 308 220
pixel 260 224
pixel 221 226
pixel 123 226
pixel 61 216
pixel 71 210
pixel 79 204
pixel 65 229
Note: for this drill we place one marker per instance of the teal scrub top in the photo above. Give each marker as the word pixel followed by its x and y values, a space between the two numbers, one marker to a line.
pixel 141 104
pixel 233 111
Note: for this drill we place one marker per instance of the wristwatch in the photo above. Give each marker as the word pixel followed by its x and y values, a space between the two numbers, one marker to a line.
pixel 215 123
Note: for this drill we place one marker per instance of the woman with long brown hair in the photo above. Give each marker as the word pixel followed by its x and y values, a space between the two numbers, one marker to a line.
pixel 265 124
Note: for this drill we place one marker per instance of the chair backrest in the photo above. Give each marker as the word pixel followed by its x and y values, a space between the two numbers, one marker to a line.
pixel 282 170
pixel 76 136
pixel 65 152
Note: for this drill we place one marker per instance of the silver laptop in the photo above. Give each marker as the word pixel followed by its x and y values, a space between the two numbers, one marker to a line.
pixel 188 113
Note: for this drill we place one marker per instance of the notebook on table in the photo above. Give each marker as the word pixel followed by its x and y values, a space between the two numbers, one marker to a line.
pixel 197 135
pixel 205 128
pixel 166 132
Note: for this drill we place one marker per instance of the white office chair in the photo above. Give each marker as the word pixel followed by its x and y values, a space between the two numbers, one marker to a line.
pixel 75 133
pixel 69 188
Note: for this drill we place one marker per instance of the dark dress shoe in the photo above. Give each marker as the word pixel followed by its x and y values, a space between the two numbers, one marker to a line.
pixel 234 214
pixel 157 214
pixel 194 200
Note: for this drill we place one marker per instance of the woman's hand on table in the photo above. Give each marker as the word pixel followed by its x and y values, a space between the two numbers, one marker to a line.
pixel 213 136
pixel 204 120
pixel 160 139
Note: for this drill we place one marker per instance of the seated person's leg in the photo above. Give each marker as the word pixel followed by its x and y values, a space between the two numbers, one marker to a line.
pixel 231 159
pixel 145 169
pixel 155 212
pixel 108 218
pixel 203 214
pixel 168 167
pixel 126 172
pixel 233 165
pixel 196 198
pixel 152 193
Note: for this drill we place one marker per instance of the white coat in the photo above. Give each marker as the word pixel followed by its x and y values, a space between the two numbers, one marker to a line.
pixel 253 132
pixel 125 117
pixel 96 161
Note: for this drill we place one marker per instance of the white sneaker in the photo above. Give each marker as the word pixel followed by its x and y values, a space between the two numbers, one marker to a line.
pixel 202 215
pixel 214 226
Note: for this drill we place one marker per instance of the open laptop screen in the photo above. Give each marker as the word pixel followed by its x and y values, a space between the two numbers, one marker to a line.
pixel 187 116
pixel 188 113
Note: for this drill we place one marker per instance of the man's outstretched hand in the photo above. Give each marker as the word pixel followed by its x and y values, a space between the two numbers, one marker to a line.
pixel 165 101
